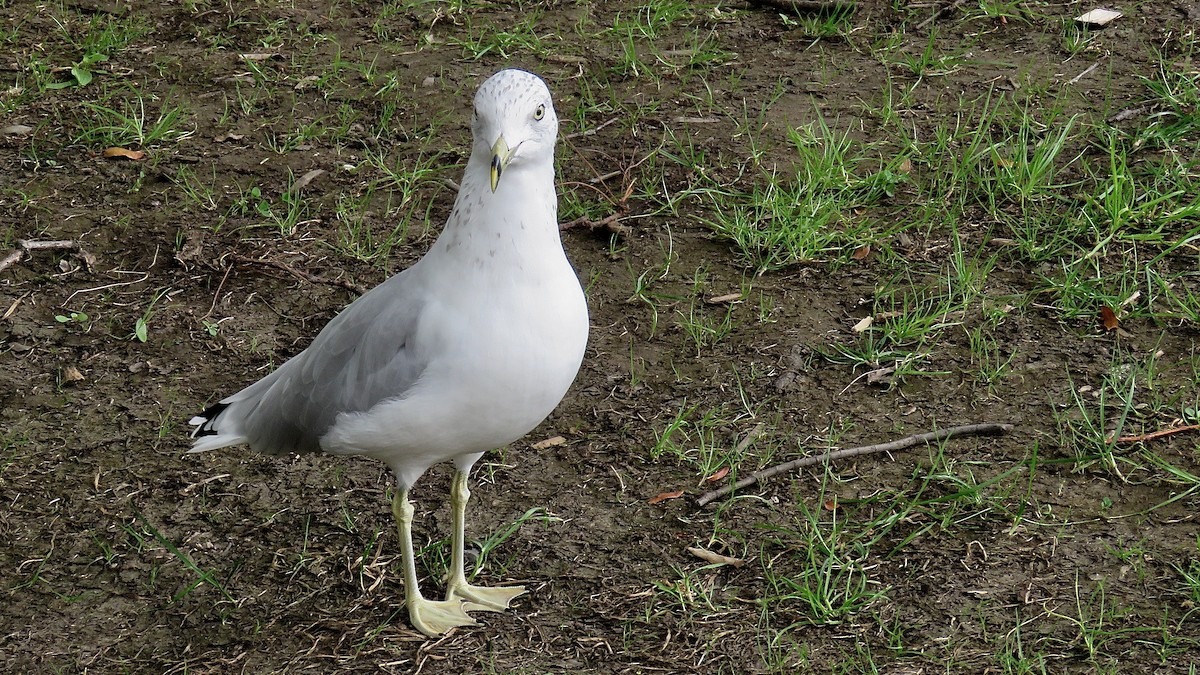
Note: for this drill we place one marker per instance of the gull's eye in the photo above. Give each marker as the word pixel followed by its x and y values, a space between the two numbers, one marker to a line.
pixel 540 112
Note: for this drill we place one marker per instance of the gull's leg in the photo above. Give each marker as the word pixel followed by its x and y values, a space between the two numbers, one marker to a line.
pixel 475 598
pixel 431 617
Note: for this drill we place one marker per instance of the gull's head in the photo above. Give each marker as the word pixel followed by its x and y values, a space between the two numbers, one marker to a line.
pixel 514 123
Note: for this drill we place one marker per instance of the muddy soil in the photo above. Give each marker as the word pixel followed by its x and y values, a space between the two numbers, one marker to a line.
pixel 120 553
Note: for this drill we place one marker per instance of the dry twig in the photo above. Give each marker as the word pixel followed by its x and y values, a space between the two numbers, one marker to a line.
pixel 301 274
pixel 612 222
pixel 901 444
pixel 1082 75
pixel 940 12
pixel 25 246
pixel 1155 434
pixel 590 132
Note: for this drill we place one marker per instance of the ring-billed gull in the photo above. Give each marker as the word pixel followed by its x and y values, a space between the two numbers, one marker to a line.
pixel 467 350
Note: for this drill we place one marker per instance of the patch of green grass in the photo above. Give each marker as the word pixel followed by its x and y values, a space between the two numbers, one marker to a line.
pixel 95 41
pixel 1175 86
pixel 357 236
pixel 201 193
pixel 141 328
pixel 783 220
pixel 486 39
pixel 928 61
pixel 1098 624
pixel 9 445
pixel 821 25
pixel 700 439
pixel 816 568
pixel 650 20
pixel 1129 401
pixel 488 546
pixel 1002 11
pixel 690 591
pixel 131 124
pixel 705 325
pixel 202 576
pixel 1076 39
pixel 1015 657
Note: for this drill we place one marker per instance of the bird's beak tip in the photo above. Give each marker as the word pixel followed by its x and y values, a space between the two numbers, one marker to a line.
pixel 501 154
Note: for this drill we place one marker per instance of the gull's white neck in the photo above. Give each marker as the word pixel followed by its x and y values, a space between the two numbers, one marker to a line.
pixel 519 220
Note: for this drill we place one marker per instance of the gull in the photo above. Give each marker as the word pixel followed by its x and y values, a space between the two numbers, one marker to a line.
pixel 467 350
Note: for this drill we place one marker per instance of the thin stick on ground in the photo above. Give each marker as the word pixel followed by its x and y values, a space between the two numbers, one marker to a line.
pixel 1155 434
pixel 612 222
pixel 301 274
pixel 940 12
pixel 985 429
pixel 25 246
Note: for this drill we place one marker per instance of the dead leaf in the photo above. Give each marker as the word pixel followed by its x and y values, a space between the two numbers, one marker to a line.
pixel 122 153
pixel 549 443
pixel 664 496
pixel 228 137
pixel 12 308
pixel 724 299
pixel 15 130
pixel 89 259
pixel 71 374
pixel 1099 17
pixel 880 374
pixel 193 246
pixel 830 504
pixel 863 324
pixel 1131 299
pixel 861 252
pixel 259 56
pixel 721 473
pixel 304 180
pixel 715 558
pixel 1109 317
pixel 905 166
pixel 884 316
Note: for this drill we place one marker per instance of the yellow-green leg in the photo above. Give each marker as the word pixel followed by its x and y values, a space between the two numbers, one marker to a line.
pixel 431 617
pixel 474 598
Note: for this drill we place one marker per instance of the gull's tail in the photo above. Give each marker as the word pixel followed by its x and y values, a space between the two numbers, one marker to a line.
pixel 216 428
pixel 269 416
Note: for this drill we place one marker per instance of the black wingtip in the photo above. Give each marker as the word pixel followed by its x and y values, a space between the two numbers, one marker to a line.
pixel 209 415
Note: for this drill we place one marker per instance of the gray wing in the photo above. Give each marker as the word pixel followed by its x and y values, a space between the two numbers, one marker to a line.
pixel 363 356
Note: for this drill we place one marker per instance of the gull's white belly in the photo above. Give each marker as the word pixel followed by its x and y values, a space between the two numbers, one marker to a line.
pixel 496 375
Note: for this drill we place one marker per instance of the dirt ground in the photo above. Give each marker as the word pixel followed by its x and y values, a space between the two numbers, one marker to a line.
pixel 120 553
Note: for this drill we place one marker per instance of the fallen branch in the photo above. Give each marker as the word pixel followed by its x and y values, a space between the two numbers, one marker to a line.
pixel 312 278
pixel 26 246
pixel 1156 434
pixel 901 444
